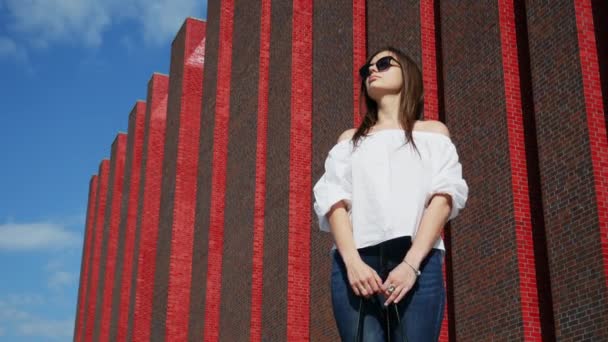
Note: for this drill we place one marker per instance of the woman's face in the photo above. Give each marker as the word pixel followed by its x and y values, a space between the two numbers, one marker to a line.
pixel 389 81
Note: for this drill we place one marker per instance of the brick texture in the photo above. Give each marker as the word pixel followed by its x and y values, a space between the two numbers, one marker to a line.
pixel 274 291
pixel 216 237
pixel 86 254
pixel 218 174
pixel 485 270
pixel 128 215
pixel 107 262
pixel 257 262
pixel 91 300
pixel 178 193
pixel 332 113
pixel 235 320
pixel 203 191
pixel 149 205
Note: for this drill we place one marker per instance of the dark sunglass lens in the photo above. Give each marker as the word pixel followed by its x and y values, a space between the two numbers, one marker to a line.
pixel 364 71
pixel 383 63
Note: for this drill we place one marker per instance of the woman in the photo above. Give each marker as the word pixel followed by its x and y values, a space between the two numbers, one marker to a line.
pixel 388 189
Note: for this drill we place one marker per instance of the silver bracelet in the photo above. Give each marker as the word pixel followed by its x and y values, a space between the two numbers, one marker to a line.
pixel 413 268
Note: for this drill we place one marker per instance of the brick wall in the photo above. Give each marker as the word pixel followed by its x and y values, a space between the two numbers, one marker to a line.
pixel 225 245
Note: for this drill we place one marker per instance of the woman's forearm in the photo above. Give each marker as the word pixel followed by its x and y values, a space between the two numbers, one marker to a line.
pixel 342 231
pixel 431 225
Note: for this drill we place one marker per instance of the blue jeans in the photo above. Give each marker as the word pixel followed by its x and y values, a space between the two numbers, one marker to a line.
pixel 416 318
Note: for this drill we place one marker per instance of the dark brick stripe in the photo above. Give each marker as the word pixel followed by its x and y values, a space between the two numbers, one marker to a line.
pixel 203 194
pixel 332 113
pixel 483 239
pixel 396 23
pixel 274 297
pixel 235 318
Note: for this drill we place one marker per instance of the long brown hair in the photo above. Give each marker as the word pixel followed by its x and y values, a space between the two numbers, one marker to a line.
pixel 412 98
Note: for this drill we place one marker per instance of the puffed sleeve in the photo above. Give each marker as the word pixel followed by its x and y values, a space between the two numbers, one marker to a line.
pixel 447 176
pixel 335 184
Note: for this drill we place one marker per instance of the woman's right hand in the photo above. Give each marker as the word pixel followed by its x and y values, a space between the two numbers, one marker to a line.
pixel 363 279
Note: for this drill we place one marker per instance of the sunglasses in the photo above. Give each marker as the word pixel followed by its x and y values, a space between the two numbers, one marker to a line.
pixel 382 64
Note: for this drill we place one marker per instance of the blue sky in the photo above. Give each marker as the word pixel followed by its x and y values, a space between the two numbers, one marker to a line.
pixel 70 72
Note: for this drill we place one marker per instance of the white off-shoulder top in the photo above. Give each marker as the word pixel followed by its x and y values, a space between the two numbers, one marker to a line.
pixel 387 185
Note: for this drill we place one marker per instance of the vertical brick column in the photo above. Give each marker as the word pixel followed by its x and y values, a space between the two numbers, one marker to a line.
pixel 300 158
pixel 571 144
pixel 110 237
pixel 205 165
pixel 218 173
pixel 235 320
pixel 596 125
pixel 519 173
pixel 257 266
pixel 91 298
pixel 359 53
pixel 396 23
pixel 333 111
pixel 86 254
pixel 172 279
pixel 430 52
pixel 149 204
pixel 128 216
pixel 484 238
pixel 274 297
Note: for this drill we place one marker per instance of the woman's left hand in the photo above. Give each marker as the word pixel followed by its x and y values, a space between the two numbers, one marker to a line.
pixel 403 279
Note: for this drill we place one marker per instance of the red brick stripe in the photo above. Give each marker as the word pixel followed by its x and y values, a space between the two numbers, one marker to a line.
pixel 519 171
pixel 132 204
pixel 431 100
pixel 102 193
pixel 149 199
pixel 184 198
pixel 86 253
pixel 596 124
pixel 110 269
pixel 218 178
pixel 260 176
pixel 359 55
pixel 298 263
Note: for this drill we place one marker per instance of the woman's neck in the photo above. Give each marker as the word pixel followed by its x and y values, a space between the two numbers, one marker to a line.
pixel 388 111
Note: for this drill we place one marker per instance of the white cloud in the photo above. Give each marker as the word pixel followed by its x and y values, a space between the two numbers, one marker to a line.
pixel 46 328
pixel 85 21
pixel 60 279
pixel 36 236
pixel 10 49
pixel 26 324
pixel 21 300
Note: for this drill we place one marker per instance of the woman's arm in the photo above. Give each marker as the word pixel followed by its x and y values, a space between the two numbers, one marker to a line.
pixel 363 279
pixel 434 218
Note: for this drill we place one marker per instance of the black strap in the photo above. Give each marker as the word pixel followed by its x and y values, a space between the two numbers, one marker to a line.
pixel 359 322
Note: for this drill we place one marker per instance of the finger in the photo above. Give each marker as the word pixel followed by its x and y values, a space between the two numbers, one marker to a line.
pixel 355 289
pixel 402 294
pixel 393 295
pixel 362 290
pixel 378 280
pixel 371 283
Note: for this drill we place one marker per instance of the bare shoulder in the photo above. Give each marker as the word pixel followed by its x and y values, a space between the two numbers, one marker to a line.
pixel 348 134
pixel 433 126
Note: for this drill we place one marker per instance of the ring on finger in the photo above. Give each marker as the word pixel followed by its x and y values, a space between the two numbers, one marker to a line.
pixel 391 288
